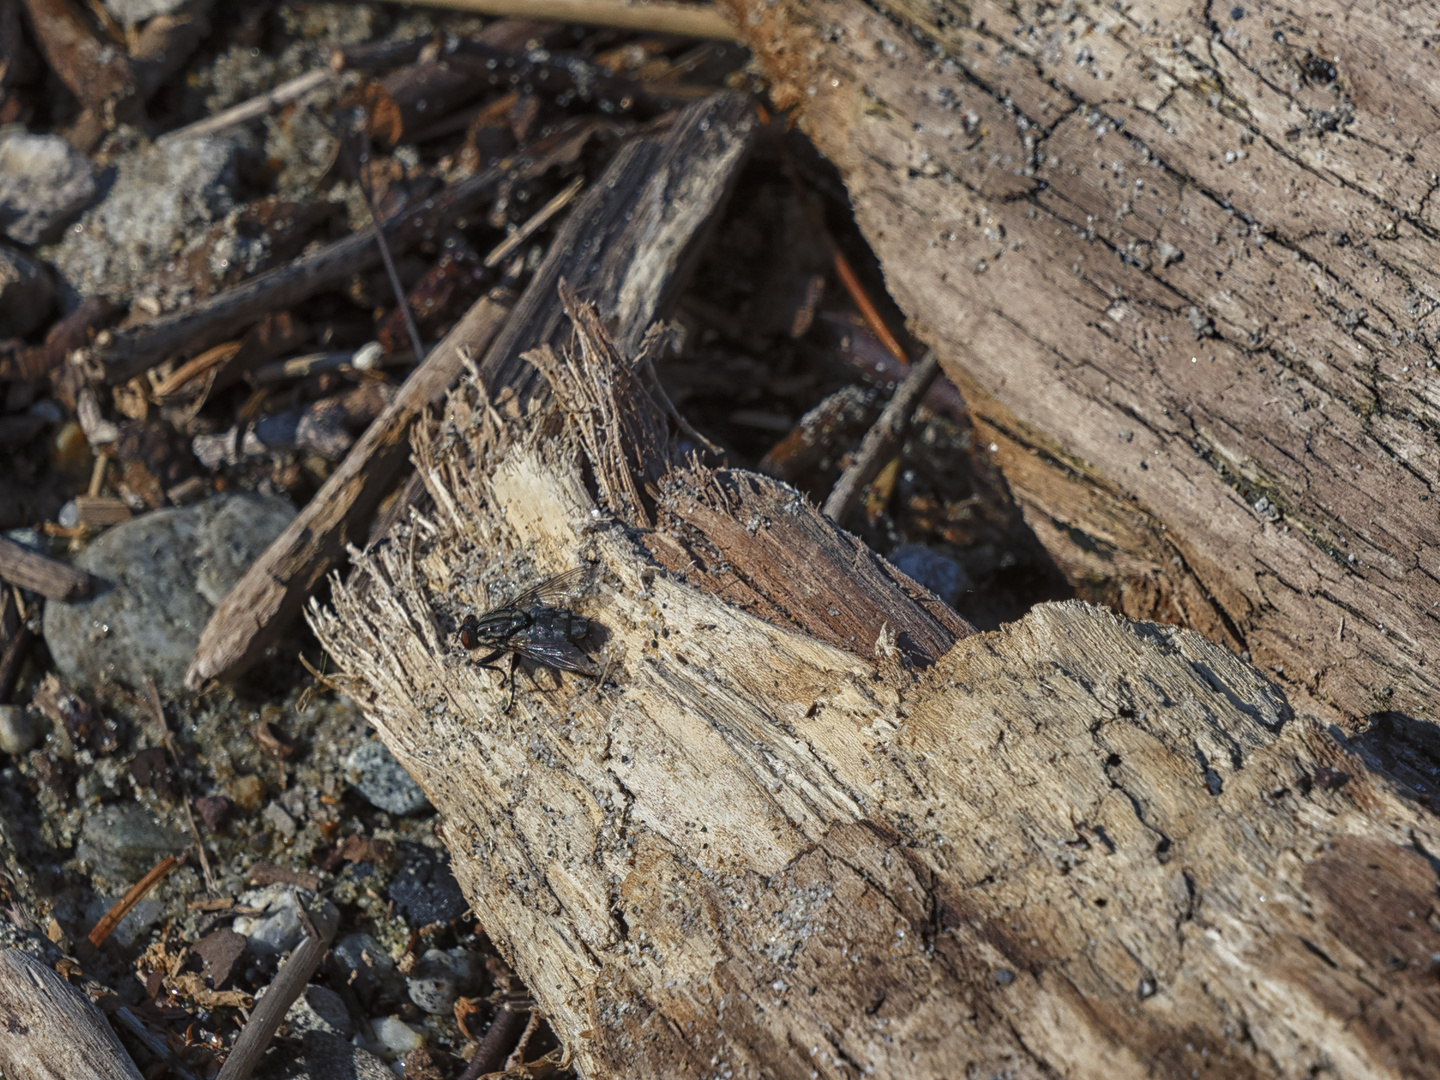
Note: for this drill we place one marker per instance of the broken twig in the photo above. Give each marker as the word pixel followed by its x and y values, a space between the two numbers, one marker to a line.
pixel 133 896
pixel 683 20
pixel 272 591
pixel 289 981
pixel 49 577
pixel 881 441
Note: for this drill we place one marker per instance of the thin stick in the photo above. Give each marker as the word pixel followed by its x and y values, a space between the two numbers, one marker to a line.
pixel 400 298
pixel 289 981
pixel 683 20
pixel 535 223
pixel 881 440
pixel 256 107
pixel 136 893
pixel 159 709
pixel 490 1055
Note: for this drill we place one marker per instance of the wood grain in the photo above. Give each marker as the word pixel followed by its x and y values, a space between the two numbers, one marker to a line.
pixel 1179 259
pixel 49 1030
pixel 1080 846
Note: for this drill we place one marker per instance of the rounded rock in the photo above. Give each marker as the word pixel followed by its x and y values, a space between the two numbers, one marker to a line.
pixel 438 979
pixel 20 729
pixel 162 569
pixel 123 842
pixel 383 781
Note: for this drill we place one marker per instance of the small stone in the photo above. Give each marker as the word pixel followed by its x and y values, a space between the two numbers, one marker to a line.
pixel 284 824
pixel 320 1009
pixel 278 928
pixel 939 573
pixel 330 1057
pixel 166 571
pixel 219 952
pixel 44 184
pixel 163 201
pixel 424 890
pixel 25 293
pixel 134 12
pixel 358 961
pixel 247 791
pixel 397 1036
pixel 383 781
pixel 438 979
pixel 124 842
pixel 213 810
pixel 20 729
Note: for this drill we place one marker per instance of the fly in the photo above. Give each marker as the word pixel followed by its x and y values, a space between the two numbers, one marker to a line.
pixel 537 625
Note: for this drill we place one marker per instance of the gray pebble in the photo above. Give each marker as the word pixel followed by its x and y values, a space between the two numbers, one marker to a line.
pixel 438 979
pixel 383 781
pixel 44 184
pixel 163 199
pixel 320 1009
pixel 123 842
pixel 19 729
pixel 939 573
pixel 278 928
pixel 25 293
pixel 167 570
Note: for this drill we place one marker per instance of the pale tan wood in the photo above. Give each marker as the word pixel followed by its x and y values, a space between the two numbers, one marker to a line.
pixel 49 1030
pixel 1180 260
pixel 1080 846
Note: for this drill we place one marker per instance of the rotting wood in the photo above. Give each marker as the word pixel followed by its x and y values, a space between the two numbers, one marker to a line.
pixel 1181 266
pixel 49 577
pixel 642 224
pixel 126 353
pixel 1078 846
pixel 51 1030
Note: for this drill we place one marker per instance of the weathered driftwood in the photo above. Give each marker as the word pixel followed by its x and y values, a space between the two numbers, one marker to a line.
pixel 1180 260
pixel 49 1030
pixel 760 846
pixel 637 232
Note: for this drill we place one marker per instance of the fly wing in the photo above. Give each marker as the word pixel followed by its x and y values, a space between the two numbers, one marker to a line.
pixel 556 654
pixel 559 590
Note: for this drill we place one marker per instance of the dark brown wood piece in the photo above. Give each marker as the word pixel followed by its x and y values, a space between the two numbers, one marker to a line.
pixel 49 577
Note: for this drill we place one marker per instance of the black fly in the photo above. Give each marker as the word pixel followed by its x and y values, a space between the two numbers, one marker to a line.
pixel 537 625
